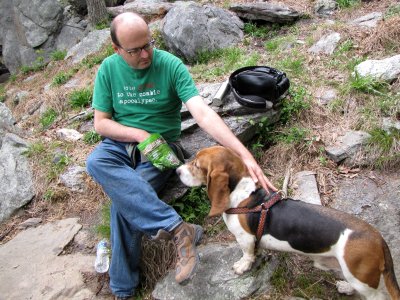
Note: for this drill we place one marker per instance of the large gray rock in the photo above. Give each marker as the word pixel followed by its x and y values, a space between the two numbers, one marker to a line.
pixel 374 197
pixel 72 32
pixel 305 187
pixel 28 26
pixel 39 18
pixel 92 43
pixel 16 186
pixel 33 30
pixel 215 278
pixel 190 28
pixel 326 45
pixel 368 21
pixel 145 8
pixel 325 7
pixel 347 146
pixel 7 121
pixel 264 11
pixel 6 118
pixel 387 69
pixel 32 265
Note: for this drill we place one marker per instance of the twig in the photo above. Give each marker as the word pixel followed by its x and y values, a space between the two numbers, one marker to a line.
pixel 287 177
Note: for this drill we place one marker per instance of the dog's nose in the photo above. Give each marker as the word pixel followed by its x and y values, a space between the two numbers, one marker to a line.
pixel 178 171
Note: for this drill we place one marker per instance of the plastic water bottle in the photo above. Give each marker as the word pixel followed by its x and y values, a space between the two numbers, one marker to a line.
pixel 102 262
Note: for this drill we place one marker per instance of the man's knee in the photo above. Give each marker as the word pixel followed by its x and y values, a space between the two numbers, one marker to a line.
pixel 92 163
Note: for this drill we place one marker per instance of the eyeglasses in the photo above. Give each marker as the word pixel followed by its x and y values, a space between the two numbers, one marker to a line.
pixel 138 50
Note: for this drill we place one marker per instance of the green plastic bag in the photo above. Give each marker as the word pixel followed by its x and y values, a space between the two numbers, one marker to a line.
pixel 159 153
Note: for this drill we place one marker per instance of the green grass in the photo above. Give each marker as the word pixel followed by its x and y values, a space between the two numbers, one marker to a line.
pixel 48 156
pixel 38 65
pixel 292 135
pixel 383 139
pixel 254 30
pixel 58 55
pixel 369 85
pixel 194 206
pixel 81 98
pixel 91 137
pixel 96 59
pixel 103 228
pixel 2 93
pixel 48 118
pixel 298 101
pixel 62 78
pixel 34 149
pixel 299 279
pixel 392 11
pixel 348 3
pixel 223 62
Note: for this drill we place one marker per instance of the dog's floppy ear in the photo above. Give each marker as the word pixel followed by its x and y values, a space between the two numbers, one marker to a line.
pixel 218 191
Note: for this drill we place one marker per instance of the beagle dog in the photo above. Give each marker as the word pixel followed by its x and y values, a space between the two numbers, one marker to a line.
pixel 333 239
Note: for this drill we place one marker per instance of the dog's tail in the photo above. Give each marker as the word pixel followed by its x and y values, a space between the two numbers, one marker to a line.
pixel 389 276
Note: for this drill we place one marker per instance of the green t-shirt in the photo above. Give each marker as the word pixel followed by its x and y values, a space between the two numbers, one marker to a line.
pixel 149 99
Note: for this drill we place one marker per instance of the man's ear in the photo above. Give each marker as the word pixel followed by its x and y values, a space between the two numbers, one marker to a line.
pixel 115 47
pixel 218 191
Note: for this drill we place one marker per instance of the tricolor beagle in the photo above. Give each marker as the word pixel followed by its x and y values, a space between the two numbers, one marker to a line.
pixel 333 239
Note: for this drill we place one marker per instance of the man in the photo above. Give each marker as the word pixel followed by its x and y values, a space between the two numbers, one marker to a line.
pixel 139 91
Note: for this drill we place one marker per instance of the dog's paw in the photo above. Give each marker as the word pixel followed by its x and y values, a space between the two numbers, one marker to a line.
pixel 243 265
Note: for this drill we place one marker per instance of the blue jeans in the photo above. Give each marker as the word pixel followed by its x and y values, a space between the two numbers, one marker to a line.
pixel 135 209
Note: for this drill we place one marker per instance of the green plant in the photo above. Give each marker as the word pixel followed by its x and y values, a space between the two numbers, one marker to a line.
pixel 254 30
pixel 346 46
pixel 193 206
pixel 58 166
pixel 292 135
pixel 103 228
pixel 37 65
pixel 293 65
pixel 279 277
pixel 93 60
pixel 368 84
pixel 389 104
pixel 293 105
pixel 62 78
pixel 103 25
pixel 157 36
pixel 224 61
pixel 347 3
pixel 392 11
pixel 48 195
pixel 353 62
pixel 2 93
pixel 58 55
pixel 272 45
pixel 80 98
pixel 383 146
pixel 91 137
pixel 48 118
pixel 262 136
pixel 13 77
pixel 34 149
pixel 204 57
pixel 383 139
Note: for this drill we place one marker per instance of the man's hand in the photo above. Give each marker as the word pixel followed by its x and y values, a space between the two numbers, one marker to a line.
pixel 257 174
pixel 212 123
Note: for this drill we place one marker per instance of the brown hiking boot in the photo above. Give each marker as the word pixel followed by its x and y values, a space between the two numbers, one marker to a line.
pixel 186 236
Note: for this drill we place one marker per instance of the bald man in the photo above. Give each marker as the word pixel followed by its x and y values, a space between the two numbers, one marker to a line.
pixel 139 90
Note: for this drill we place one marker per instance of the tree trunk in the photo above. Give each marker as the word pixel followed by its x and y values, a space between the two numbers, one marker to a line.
pixel 97 11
